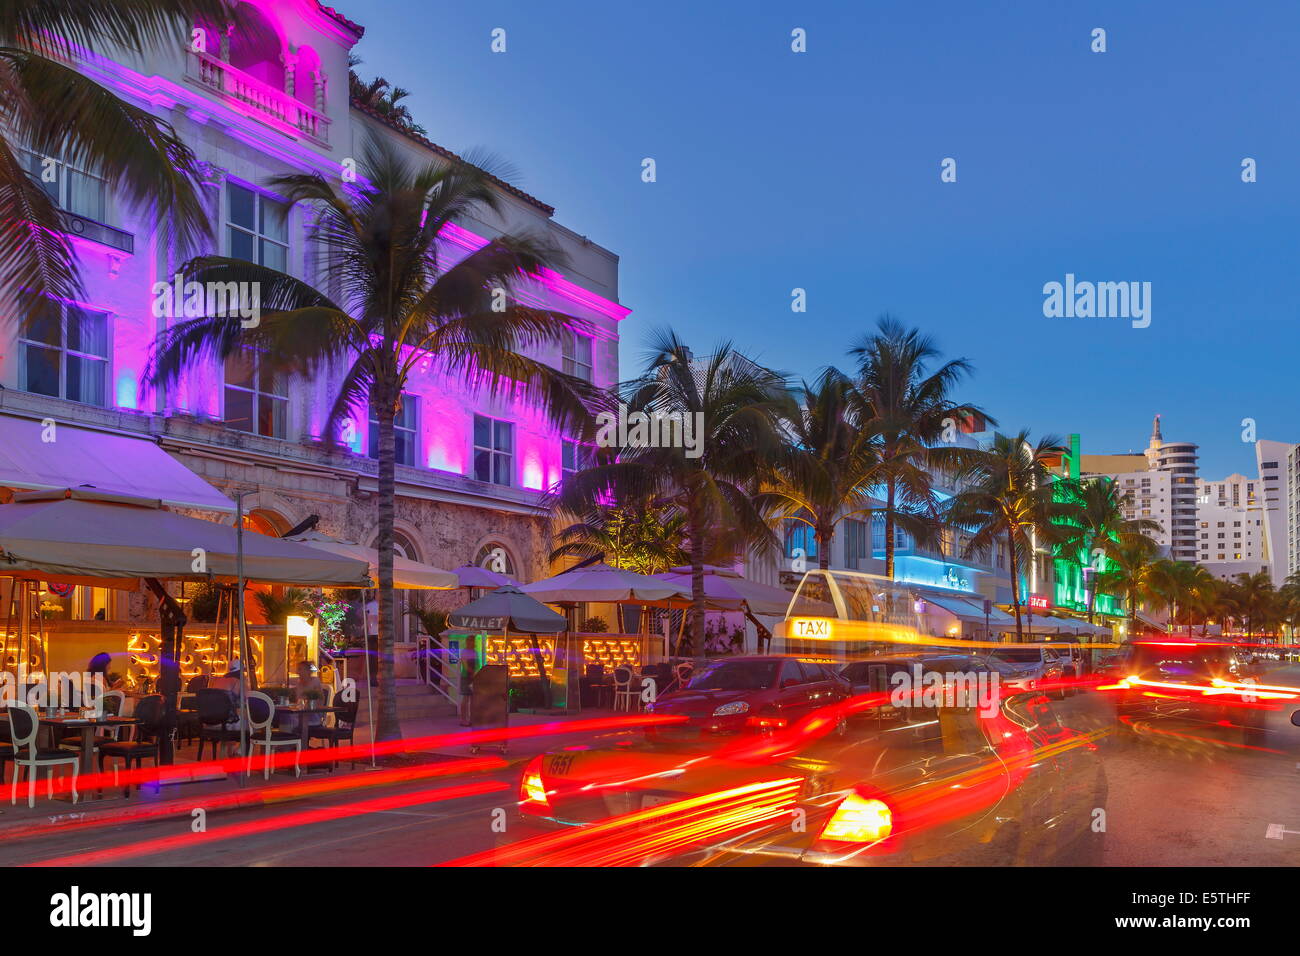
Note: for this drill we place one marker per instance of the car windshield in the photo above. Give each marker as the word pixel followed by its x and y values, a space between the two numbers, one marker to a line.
pixel 1018 655
pixel 735 675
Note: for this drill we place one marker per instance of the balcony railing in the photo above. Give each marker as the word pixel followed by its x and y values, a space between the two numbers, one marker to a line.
pixel 262 99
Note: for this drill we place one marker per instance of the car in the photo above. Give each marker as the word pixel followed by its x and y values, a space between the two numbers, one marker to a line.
pixel 1210 683
pixel 747 694
pixel 941 783
pixel 1029 665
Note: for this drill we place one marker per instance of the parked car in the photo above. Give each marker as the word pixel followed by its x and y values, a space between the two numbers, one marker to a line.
pixel 944 785
pixel 1028 665
pixel 747 694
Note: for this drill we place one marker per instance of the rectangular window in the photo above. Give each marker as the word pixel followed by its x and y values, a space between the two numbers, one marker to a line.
pixel 257 228
pixel 405 431
pixel 257 399
pixel 577 356
pixel 799 536
pixel 576 457
pixel 73 189
pixel 493 450
pixel 855 541
pixel 67 356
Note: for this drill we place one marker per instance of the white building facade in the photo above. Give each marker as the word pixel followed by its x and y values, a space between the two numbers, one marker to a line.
pixel 473 467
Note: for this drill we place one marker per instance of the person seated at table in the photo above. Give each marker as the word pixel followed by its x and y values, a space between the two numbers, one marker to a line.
pixel 309 688
pixel 99 667
pixel 229 682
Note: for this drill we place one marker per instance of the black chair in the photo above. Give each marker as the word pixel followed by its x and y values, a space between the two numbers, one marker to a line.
pixel 216 714
pixel 187 724
pixel 345 728
pixel 6 748
pixel 150 714
pixel 595 686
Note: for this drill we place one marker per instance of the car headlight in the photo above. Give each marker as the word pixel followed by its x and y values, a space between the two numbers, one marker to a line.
pixel 735 707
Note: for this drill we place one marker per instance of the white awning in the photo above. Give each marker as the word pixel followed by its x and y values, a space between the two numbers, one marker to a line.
pixel 966 609
pixel 36 457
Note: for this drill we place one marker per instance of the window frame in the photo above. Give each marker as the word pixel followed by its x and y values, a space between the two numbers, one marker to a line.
pixel 257 393
pixel 64 352
pixel 410 401
pixel 570 362
pixel 256 233
pixel 493 452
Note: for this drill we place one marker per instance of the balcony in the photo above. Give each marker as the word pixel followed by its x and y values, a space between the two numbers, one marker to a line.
pixel 94 231
pixel 261 100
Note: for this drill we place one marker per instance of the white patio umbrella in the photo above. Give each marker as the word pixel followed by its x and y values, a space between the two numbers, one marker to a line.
pixel 76 534
pixel 472 576
pixel 407 574
pixel 602 584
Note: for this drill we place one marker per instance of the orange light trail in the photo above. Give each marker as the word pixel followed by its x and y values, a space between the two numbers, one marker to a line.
pixel 656 832
pixel 301 818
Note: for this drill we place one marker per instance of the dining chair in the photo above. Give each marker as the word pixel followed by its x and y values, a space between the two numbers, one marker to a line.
pixel 24 727
pixel 216 715
pixel 344 729
pixel 145 745
pixel 627 689
pixel 260 711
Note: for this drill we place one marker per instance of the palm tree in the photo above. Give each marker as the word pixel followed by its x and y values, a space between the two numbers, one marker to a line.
pixel 50 108
pixel 1175 585
pixel 825 472
pixel 1101 525
pixel 735 405
pixel 380 96
pixel 907 407
pixel 1007 497
pixel 1128 574
pixel 641 538
pixel 402 307
pixel 1254 594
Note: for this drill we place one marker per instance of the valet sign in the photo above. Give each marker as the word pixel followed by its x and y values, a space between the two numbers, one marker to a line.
pixel 810 628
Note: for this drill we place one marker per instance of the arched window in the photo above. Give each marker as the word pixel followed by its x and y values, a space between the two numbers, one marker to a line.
pixel 257 50
pixel 265 522
pixel 495 557
pixel 305 68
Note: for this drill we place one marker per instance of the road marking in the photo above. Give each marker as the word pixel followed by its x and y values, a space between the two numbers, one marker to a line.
pixel 1276 831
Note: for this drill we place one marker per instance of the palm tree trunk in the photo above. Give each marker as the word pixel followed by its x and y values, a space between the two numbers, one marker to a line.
pixel 697 585
pixel 1092 595
pixel 388 726
pixel 1015 583
pixel 889 530
pixel 823 539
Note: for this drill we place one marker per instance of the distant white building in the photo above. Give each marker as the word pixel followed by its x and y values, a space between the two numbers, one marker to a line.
pixel 1163 486
pixel 1279 473
pixel 1232 532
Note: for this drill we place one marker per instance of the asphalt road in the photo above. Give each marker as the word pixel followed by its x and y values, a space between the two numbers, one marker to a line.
pixel 1173 801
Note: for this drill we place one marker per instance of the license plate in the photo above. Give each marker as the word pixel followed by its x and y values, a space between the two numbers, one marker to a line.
pixel 653 800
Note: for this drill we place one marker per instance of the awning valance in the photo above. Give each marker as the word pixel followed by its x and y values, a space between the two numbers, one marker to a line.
pixel 40 457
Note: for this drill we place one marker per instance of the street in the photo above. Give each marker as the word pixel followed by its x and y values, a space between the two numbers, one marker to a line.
pixel 1172 802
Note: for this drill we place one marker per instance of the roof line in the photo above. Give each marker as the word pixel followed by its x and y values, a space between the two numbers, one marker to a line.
pixel 334 15
pixel 448 154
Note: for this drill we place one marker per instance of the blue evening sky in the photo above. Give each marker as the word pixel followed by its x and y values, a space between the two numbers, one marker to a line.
pixel 820 170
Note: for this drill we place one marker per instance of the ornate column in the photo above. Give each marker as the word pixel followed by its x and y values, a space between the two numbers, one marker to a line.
pixel 290 61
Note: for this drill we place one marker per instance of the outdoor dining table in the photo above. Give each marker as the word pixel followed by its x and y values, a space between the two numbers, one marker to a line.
pixel 87 727
pixel 304 727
